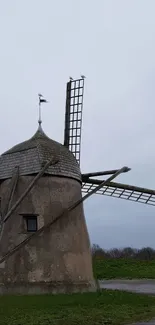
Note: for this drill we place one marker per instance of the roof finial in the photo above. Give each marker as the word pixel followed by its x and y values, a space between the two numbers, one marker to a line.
pixel 41 100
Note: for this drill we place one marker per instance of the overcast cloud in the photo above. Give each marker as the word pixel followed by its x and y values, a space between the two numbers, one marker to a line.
pixel 112 42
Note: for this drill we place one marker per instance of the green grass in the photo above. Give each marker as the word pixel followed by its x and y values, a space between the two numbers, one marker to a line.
pixel 106 307
pixel 121 268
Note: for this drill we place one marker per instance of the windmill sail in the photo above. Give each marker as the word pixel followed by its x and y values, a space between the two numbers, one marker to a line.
pixel 73 116
pixel 121 191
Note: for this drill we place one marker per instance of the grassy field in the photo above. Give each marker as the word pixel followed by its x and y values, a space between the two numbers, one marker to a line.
pixel 121 268
pixel 108 308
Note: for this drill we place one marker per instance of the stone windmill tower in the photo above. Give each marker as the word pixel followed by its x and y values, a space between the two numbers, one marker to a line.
pixel 44 243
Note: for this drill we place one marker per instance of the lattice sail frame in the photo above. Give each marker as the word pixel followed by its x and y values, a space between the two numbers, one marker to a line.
pixel 121 191
pixel 72 140
pixel 73 116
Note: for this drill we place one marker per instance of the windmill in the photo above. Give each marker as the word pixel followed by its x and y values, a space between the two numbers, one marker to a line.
pixel 44 243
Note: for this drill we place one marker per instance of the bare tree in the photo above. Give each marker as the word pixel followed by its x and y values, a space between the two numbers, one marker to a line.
pixel 146 253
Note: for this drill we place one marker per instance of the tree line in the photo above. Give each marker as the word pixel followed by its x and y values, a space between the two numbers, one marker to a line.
pixel 145 253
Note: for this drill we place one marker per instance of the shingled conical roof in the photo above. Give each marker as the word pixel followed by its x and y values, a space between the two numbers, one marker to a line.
pixel 30 156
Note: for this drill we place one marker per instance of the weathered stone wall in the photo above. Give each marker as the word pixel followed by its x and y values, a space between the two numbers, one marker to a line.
pixel 60 255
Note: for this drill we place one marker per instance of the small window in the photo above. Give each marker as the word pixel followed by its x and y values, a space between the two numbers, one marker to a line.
pixel 31 223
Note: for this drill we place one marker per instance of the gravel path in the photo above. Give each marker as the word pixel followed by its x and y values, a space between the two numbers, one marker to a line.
pixel 139 286
pixel 143 323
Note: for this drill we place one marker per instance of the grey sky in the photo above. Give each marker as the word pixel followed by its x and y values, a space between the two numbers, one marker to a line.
pixel 112 42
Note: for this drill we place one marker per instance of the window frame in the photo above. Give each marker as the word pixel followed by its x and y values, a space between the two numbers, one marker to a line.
pixel 30 216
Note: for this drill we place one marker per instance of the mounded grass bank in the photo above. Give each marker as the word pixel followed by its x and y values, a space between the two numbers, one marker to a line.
pixel 123 268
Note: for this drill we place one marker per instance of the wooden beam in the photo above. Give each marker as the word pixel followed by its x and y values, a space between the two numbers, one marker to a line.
pixel 48 163
pixel 105 172
pixel 121 186
pixel 15 180
pixel 105 182
pixel 12 185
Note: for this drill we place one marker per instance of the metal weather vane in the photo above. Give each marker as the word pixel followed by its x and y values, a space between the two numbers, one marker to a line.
pixel 41 100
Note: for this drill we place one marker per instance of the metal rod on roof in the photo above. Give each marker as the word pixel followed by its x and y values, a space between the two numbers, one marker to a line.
pixel 41 100
pixel 39 120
